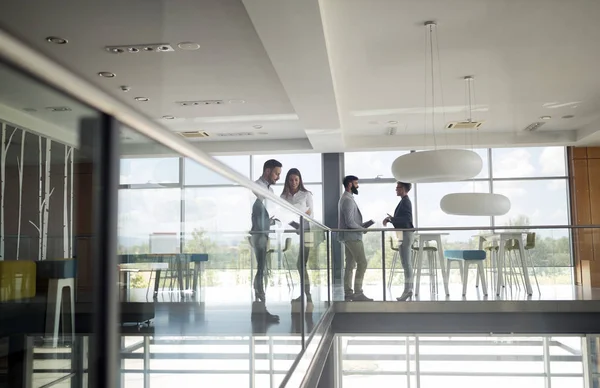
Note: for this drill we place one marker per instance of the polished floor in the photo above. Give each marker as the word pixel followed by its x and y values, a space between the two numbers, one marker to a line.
pixel 227 310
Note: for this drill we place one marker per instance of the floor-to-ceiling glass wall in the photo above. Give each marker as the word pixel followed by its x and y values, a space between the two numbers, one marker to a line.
pixel 535 180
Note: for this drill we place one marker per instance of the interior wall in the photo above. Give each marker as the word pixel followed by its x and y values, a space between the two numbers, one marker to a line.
pixel 584 167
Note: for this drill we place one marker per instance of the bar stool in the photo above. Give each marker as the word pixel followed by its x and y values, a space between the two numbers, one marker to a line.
pixel 431 254
pixel 287 270
pixel 60 274
pixel 529 245
pixel 198 259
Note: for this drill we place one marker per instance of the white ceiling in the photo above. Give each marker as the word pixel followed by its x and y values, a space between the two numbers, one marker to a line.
pixel 330 75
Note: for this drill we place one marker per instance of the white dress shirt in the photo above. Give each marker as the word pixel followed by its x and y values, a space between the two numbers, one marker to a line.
pixel 302 200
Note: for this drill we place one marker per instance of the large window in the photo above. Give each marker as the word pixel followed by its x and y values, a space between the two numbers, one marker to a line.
pixel 156 198
pixel 198 175
pixel 534 179
pixel 529 162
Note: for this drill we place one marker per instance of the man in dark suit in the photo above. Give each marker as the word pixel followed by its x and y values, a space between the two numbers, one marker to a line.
pixel 402 219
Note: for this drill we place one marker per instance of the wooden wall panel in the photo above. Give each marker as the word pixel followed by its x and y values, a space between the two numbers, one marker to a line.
pixel 594 199
pixel 584 167
pixel 579 152
pixel 593 152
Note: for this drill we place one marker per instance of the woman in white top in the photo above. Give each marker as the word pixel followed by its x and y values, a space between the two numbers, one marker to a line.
pixel 296 194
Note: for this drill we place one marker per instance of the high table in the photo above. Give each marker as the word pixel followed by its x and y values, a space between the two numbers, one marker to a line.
pixel 502 238
pixel 159 262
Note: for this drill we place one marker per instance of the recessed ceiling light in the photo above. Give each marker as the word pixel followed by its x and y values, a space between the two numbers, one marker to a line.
pixel 133 50
pixel 546 117
pixel 237 101
pixel 116 50
pixel 142 99
pixel 392 122
pixel 106 74
pixel 568 116
pixel 257 126
pixel 190 46
pixel 167 117
pixel 125 88
pixel 56 40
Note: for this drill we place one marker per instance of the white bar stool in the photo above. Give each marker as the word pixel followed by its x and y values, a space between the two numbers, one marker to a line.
pixel 423 239
pixel 60 275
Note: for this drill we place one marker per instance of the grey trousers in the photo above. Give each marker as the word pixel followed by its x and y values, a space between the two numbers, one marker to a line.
pixel 405 257
pixel 260 242
pixel 355 257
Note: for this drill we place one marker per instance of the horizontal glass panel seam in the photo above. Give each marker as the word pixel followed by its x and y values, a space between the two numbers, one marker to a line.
pixel 204 371
pixel 456 374
pixel 534 178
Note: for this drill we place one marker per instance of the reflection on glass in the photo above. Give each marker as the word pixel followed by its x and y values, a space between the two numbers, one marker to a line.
pixel 46 230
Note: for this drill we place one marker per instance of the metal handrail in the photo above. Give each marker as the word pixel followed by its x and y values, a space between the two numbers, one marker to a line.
pixel 26 59
pixel 467 228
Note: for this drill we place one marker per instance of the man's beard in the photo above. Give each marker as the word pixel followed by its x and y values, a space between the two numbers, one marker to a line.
pixel 354 190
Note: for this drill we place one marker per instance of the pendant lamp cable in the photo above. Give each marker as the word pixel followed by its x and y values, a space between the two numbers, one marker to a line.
pixel 439 61
pixel 432 85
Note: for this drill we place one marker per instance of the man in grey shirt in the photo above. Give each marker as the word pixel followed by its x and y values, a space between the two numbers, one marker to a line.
pixel 261 224
pixel 351 218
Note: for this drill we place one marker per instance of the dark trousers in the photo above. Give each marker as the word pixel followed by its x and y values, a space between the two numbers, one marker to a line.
pixel 299 266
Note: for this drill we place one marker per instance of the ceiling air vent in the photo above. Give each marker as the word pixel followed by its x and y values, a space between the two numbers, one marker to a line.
pixel 534 126
pixel 194 134
pixel 464 125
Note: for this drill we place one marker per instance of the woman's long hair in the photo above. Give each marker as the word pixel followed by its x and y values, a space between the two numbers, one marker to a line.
pixel 287 190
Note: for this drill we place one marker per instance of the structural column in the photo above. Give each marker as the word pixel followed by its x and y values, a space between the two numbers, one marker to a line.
pixel 333 172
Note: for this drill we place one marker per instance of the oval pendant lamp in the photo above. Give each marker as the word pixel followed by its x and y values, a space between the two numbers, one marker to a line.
pixel 437 165
pixel 447 165
pixel 475 204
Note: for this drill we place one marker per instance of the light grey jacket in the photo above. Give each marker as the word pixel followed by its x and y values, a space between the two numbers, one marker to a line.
pixel 349 217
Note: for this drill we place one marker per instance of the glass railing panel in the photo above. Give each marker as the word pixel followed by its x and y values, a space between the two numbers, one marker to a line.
pixel 544 270
pixel 46 230
pixel 214 259
pixel 317 276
